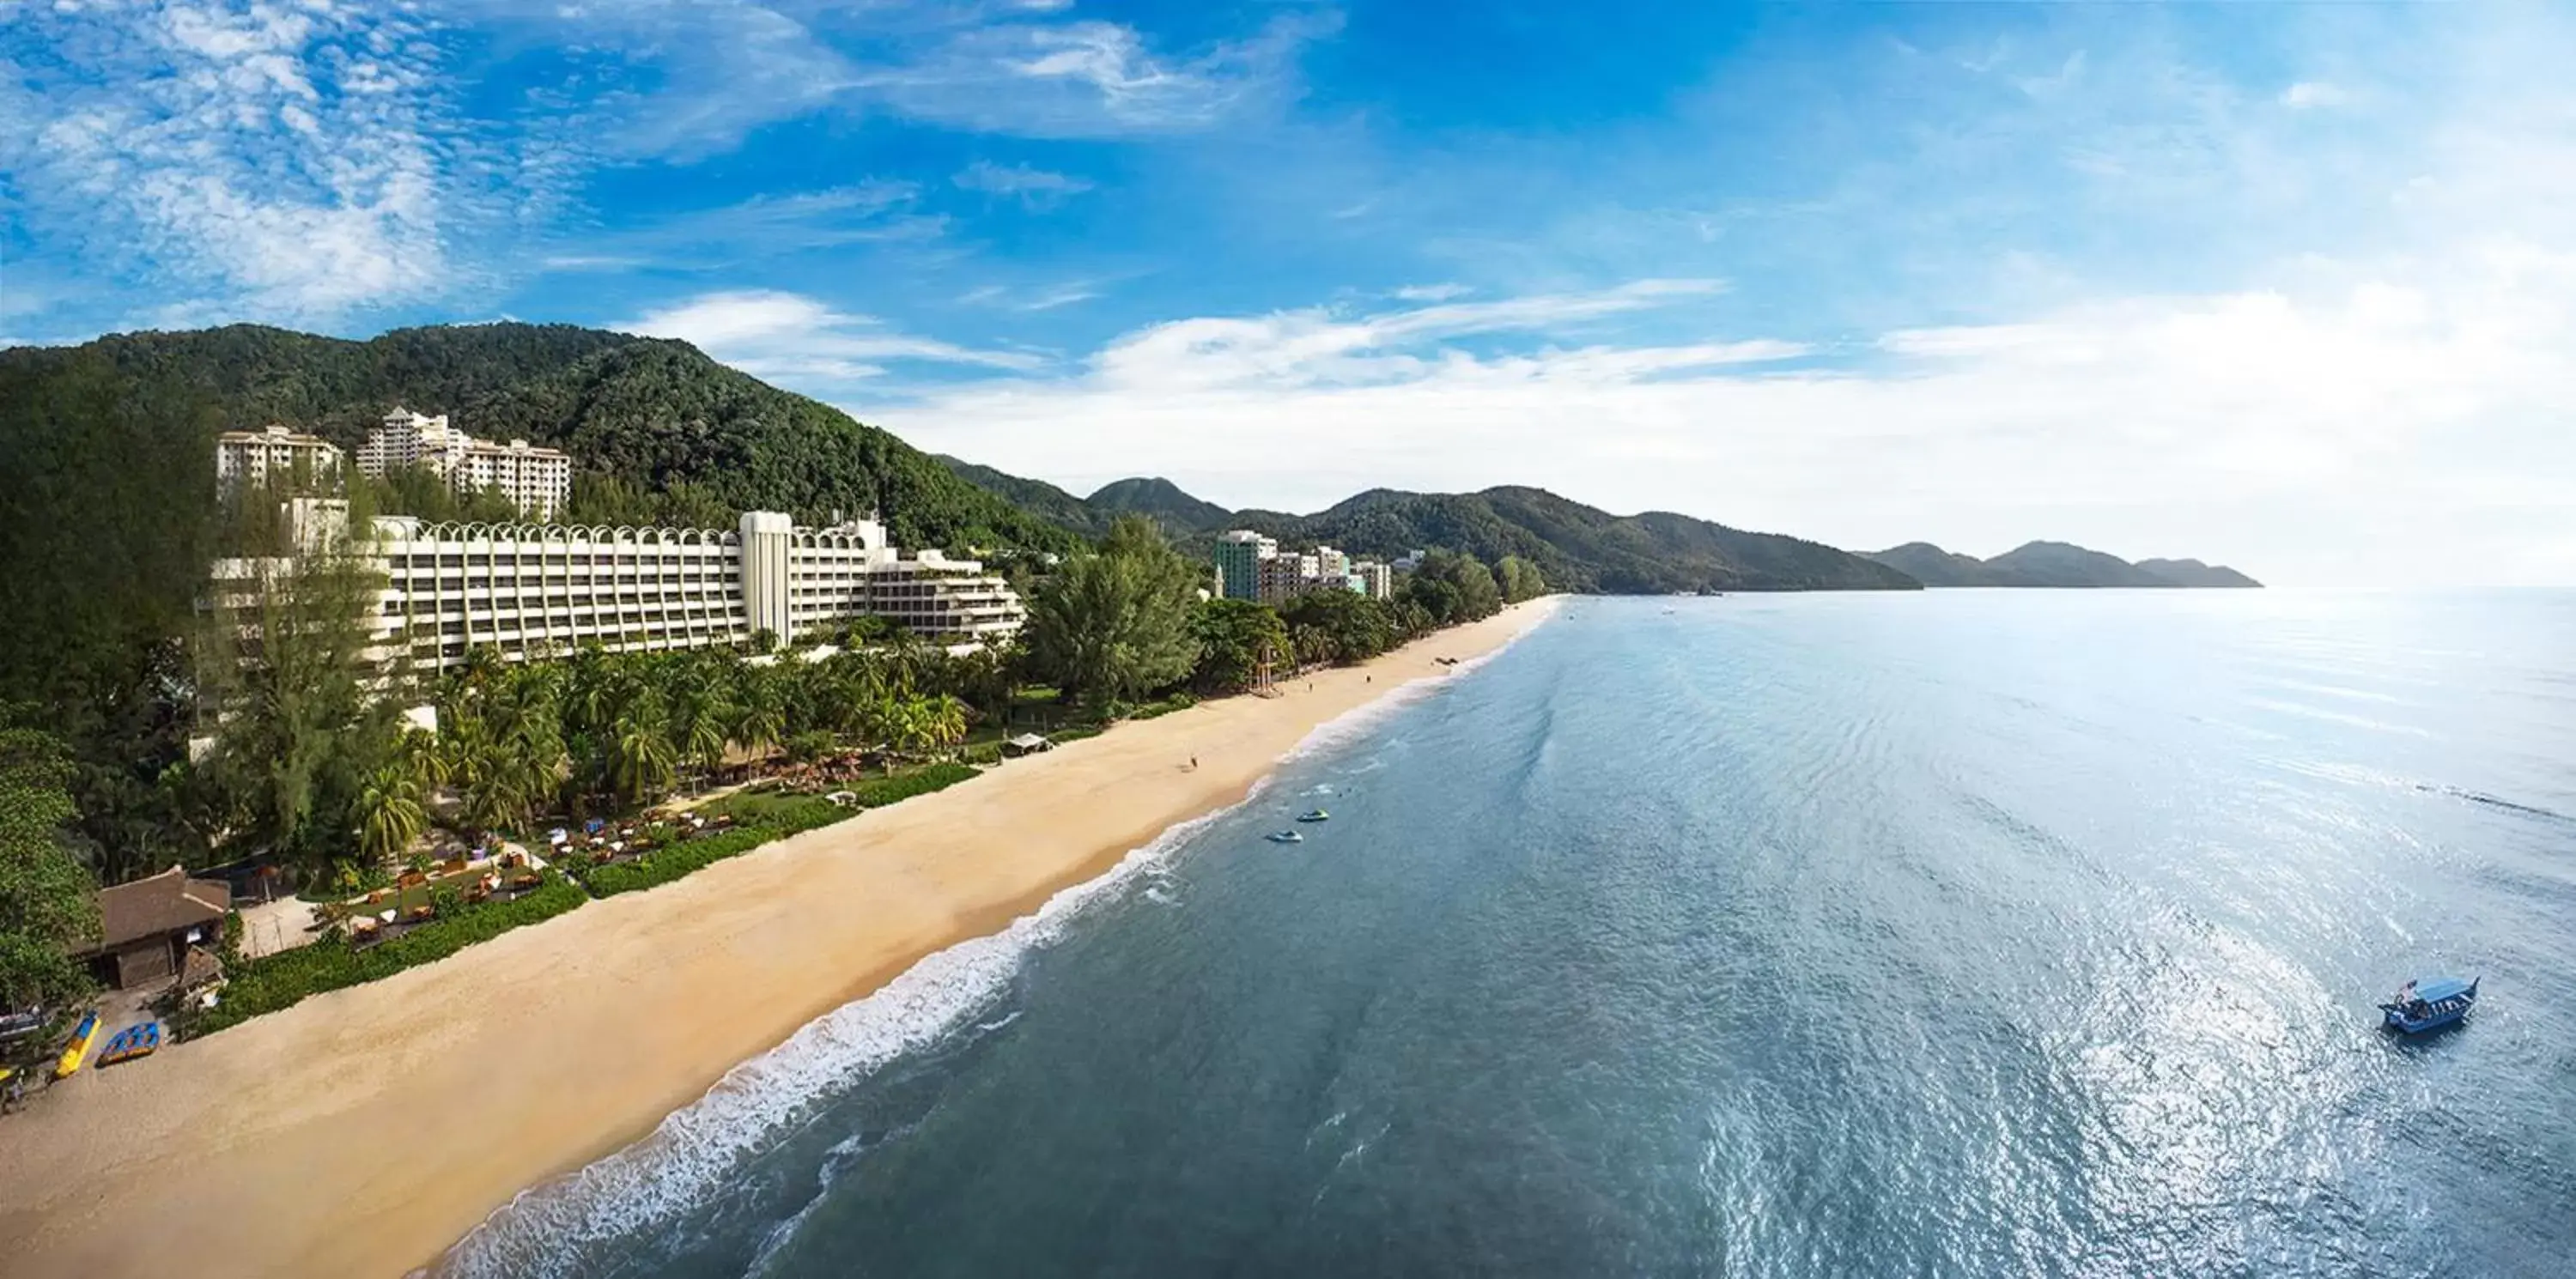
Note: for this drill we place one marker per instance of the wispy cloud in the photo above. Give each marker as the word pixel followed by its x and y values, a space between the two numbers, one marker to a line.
pixel 1432 292
pixel 804 342
pixel 1089 79
pixel 2310 94
pixel 296 160
pixel 2361 404
pixel 764 226
pixel 1032 187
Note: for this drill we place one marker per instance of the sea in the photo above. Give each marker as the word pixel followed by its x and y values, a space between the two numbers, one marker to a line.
pixel 1947 933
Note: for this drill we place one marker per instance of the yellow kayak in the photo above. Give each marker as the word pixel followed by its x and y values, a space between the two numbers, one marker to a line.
pixel 82 1039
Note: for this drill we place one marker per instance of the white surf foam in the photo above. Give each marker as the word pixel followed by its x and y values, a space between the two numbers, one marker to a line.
pixel 696 1151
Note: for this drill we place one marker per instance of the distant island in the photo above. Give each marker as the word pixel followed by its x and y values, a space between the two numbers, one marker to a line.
pixel 2051 565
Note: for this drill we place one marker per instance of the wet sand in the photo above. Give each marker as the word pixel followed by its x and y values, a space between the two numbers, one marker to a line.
pixel 363 1131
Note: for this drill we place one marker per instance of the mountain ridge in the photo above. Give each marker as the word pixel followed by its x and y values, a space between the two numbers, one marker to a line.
pixel 2053 565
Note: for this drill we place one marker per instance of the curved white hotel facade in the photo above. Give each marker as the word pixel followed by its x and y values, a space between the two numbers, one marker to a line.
pixel 533 590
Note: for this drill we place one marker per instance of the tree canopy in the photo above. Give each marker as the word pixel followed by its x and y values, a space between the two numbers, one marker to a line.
pixel 48 903
pixel 1113 626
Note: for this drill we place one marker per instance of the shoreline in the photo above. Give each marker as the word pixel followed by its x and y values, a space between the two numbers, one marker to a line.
pixel 366 1130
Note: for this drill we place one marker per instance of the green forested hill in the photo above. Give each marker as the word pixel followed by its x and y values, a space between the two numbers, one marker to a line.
pixel 1037 497
pixel 1162 501
pixel 1582 548
pixel 653 414
pixel 1576 547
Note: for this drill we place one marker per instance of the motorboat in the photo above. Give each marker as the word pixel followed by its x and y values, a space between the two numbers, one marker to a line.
pixel 1318 815
pixel 1285 837
pixel 2429 1003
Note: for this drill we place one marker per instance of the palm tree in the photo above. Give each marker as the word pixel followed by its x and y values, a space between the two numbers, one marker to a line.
pixel 641 758
pixel 760 712
pixel 389 812
pixel 943 721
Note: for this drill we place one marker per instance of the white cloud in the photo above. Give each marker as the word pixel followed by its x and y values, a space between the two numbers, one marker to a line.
pixel 292 159
pixel 2361 429
pixel 792 338
pixel 874 211
pixel 1087 79
pixel 1036 188
pixel 1431 292
pixel 2309 94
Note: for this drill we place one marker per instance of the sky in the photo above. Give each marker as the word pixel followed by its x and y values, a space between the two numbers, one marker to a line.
pixel 2290 287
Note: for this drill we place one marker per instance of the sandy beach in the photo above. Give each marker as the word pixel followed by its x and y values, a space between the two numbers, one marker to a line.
pixel 363 1131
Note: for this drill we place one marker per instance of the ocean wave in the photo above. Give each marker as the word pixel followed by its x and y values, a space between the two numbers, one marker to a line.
pixel 697 1150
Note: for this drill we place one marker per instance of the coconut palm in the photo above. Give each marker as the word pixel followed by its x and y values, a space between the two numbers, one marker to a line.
pixel 389 812
pixel 942 721
pixel 642 760
pixel 760 711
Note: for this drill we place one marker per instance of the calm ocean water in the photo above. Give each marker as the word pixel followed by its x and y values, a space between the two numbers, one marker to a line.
pixel 1967 933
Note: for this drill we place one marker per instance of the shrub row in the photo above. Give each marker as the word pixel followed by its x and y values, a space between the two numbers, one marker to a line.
pixel 663 865
pixel 271 982
pixel 1175 702
pixel 773 821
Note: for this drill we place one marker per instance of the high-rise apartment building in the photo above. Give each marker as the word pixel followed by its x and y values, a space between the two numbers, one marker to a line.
pixel 536 480
pixel 1239 557
pixel 273 455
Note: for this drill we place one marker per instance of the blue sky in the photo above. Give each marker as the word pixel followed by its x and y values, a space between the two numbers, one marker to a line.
pixel 2290 286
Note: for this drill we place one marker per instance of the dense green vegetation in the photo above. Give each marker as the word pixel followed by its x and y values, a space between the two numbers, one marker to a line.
pixel 1113 626
pixel 1573 546
pixel 1234 637
pixel 763 824
pixel 1576 547
pixel 1161 501
pixel 48 902
pixel 280 980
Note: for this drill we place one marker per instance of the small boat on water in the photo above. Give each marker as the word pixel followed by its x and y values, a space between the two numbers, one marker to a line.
pixel 1318 815
pixel 2428 1003
pixel 1285 837
pixel 130 1043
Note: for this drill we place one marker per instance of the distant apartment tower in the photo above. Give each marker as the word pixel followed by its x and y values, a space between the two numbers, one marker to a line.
pixel 1377 581
pixel 1240 555
pixel 273 454
pixel 536 480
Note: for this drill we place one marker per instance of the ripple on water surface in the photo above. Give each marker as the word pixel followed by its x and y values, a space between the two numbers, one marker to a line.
pixel 1955 933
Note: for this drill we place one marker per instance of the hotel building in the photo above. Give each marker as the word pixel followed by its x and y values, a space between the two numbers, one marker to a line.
pixel 255 458
pixel 537 590
pixel 536 480
pixel 1250 567
pixel 1239 556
